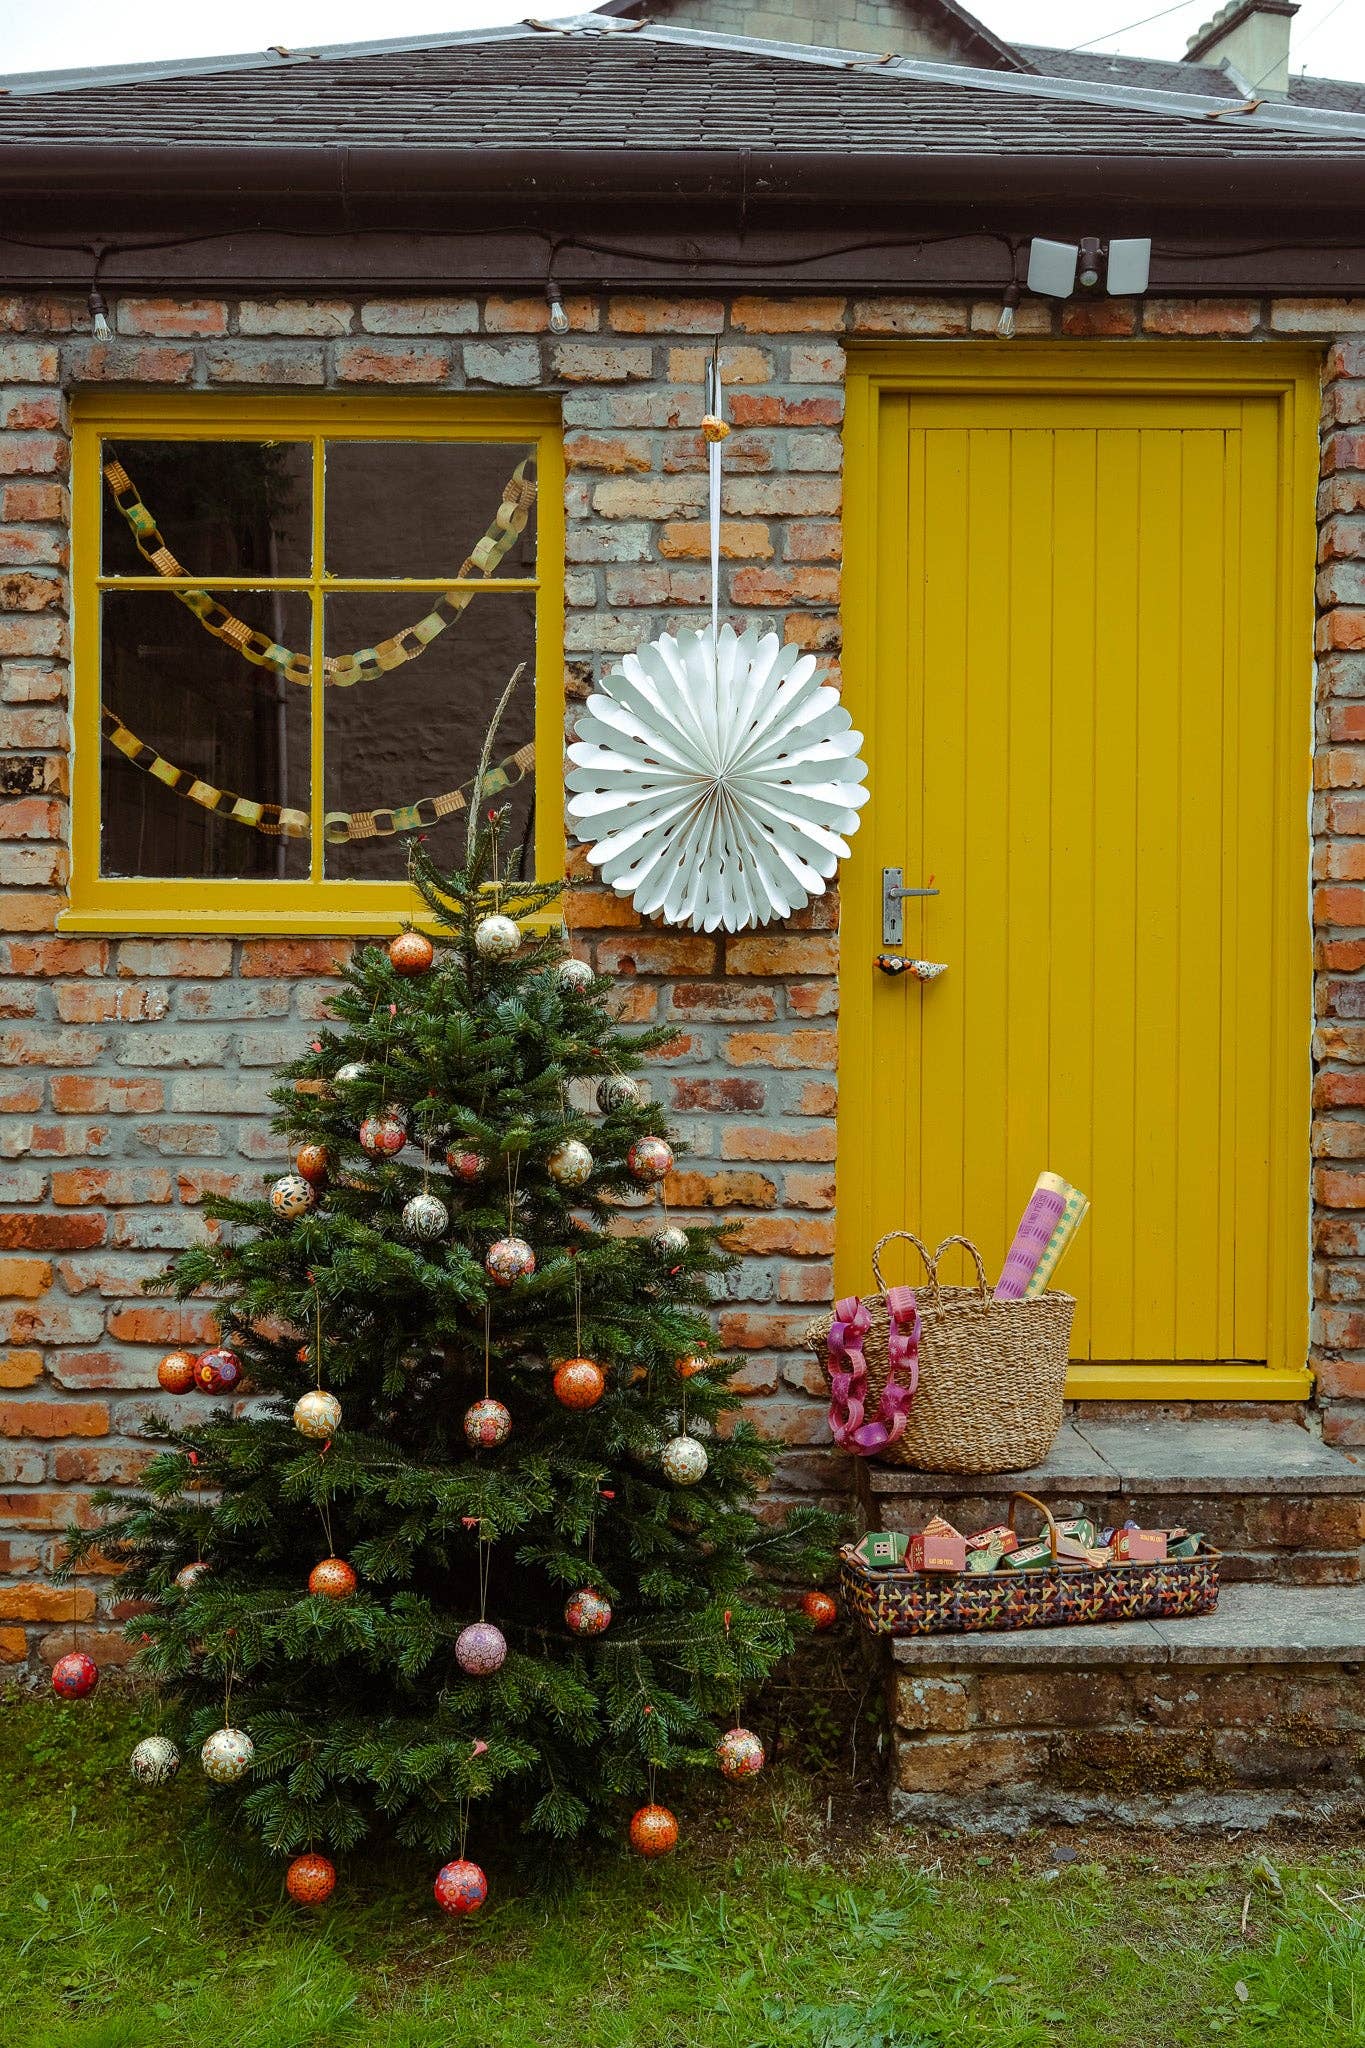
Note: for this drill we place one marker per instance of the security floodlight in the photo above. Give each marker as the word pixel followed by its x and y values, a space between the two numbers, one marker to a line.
pixel 1129 267
pixel 1052 268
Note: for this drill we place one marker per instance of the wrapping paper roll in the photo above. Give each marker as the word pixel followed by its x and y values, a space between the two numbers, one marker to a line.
pixel 1046 1228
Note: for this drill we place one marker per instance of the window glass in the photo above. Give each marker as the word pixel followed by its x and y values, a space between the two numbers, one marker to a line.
pixel 417 731
pixel 222 508
pixel 189 726
pixel 417 508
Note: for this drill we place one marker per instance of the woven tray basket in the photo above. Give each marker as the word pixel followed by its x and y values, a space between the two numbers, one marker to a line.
pixel 991 1373
pixel 903 1603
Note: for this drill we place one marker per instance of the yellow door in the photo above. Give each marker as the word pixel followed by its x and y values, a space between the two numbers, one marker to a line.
pixel 1079 652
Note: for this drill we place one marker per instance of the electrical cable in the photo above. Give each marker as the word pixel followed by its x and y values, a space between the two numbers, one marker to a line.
pixel 1109 34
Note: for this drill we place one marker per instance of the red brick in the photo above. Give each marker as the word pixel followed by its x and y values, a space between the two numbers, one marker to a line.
pixel 808 1190
pixel 132 1094
pixel 1340 1379
pixel 102 1467
pixel 20 1368
pixel 788 316
pixel 1334 1091
pixel 812 1283
pixel 776 1141
pixel 588 910
pixel 642 315
pixel 172 319
pixel 34 455
pixel 740 540
pixel 716 1002
pixel 51 1233
pixel 171 1326
pixel 796 1236
pixel 93 1002
pixel 42 1418
pixel 202 959
pixel 46 1603
pixel 371 362
pixel 55 956
pixel 616 453
pixel 88 1185
pixel 657 953
pixel 1339 1190
pixel 818 1098
pixel 781 1049
pixel 39 412
pixel 1342 627
pixel 132 362
pixel 51 1048
pixel 771 409
pixel 1099 317
pixel 781 955
pixel 1339 906
pixel 13 1646
pixel 532 316
pixel 774 586
pixel 694 1190
pixel 757 1330
pixel 24 501
pixel 727 1095
pixel 22 1099
pixel 294 958
pixel 24 1279
pixel 814 540
pixel 34 817
pixel 1200 316
pixel 80 1371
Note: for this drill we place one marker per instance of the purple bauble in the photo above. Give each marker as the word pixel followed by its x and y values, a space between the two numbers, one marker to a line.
pixel 480 1649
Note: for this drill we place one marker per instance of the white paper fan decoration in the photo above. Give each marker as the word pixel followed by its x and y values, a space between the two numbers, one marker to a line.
pixel 716 780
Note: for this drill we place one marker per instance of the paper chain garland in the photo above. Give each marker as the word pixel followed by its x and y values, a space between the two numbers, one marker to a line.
pixel 367 664
pixel 279 822
pixel 848 1373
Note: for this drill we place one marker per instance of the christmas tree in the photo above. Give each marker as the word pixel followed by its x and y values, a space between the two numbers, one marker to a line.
pixel 477 1563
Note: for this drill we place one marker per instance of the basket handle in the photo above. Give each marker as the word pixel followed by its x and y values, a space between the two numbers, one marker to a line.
pixel 1043 1510
pixel 910 1238
pixel 982 1283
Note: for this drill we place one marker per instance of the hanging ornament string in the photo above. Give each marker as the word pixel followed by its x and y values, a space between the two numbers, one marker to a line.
pixel 485 1567
pixel 714 430
pixel 367 664
pixel 281 822
pixel 487 1348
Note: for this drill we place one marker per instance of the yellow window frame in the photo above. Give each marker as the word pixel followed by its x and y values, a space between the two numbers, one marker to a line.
pixel 107 903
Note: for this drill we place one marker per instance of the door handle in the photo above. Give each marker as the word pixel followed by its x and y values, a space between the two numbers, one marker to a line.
pixel 893 894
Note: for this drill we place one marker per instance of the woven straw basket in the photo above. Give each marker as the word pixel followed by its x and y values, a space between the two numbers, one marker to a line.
pixel 991 1373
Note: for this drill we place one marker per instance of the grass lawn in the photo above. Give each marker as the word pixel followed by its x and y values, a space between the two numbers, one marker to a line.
pixel 769 1929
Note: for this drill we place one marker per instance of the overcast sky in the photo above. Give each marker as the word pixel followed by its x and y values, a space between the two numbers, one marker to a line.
pixel 40 35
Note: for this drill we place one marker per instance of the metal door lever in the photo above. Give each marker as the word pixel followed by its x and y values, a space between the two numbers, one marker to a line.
pixel 893 893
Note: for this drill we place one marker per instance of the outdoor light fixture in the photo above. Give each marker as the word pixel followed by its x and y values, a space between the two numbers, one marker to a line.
pixel 99 314
pixel 1056 268
pixel 559 319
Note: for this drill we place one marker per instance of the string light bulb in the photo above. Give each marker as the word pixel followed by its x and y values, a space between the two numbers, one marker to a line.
pixel 99 314
pixel 559 319
pixel 1004 326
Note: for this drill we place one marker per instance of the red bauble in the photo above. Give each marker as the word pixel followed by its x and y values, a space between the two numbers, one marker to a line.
pixel 75 1676
pixel 580 1383
pixel 587 1613
pixel 466 1166
pixel 311 1164
pixel 653 1831
pixel 460 1887
pixel 382 1136
pixel 175 1374
pixel 411 953
pixel 310 1879
pixel 217 1372
pixel 819 1609
pixel 333 1578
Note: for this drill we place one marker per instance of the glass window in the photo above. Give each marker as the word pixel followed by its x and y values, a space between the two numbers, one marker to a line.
pixel 293 627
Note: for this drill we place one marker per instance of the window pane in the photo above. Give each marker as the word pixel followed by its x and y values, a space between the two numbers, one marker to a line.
pixel 416 732
pixel 196 704
pixel 222 508
pixel 417 508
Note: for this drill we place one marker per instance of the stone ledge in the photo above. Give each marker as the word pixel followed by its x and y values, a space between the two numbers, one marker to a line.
pixel 1097 1459
pixel 1251 1625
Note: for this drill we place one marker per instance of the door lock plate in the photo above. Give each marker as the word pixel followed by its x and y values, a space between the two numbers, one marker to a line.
pixel 893 895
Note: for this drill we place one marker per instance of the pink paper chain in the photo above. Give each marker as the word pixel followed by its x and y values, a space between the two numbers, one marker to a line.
pixel 848 1373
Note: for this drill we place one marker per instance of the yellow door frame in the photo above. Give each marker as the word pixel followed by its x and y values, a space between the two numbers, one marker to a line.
pixel 1291 377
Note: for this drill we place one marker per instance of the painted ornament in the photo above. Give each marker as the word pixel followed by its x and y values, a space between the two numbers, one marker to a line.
pixel 155 1761
pixel 648 1160
pixel 716 778
pixel 466 1166
pixel 411 953
pixel 511 1258
pixel 227 1754
pixel 217 1372
pixel 292 1196
pixel 333 1578
pixel 740 1754
pixel 353 1071
pixel 579 1383
pixel 312 1163
pixel 382 1136
pixel 480 1649
pixel 574 975
pixel 425 1217
pixel 310 1879
pixel 688 1368
pixel 618 1091
pixel 819 1609
pixel 175 1374
pixel 668 1242
pixel 75 1676
pixel 496 937
pixel 587 1613
pixel 487 1425
pixel 653 1831
pixel 189 1575
pixel 317 1414
pixel 684 1460
pixel 570 1164
pixel 460 1888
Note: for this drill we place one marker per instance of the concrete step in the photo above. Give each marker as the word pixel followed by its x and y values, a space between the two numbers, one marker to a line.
pixel 1253 1713
pixel 1282 1506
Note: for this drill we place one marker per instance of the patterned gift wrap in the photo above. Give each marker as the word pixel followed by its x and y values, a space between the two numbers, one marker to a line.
pixel 904 1603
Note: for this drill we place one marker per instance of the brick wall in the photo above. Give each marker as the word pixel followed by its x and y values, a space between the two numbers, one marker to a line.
pixel 133 1071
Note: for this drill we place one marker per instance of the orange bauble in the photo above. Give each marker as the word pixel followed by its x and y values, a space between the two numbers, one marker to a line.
pixel 310 1879
pixel 411 953
pixel 653 1831
pixel 819 1609
pixel 579 1383
pixel 688 1368
pixel 311 1162
pixel 175 1374
pixel 333 1578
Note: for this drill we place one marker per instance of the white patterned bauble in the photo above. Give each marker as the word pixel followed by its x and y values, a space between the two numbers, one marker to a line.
pixel 354 1070
pixel 716 779
pixel 317 1414
pixel 618 1091
pixel 155 1761
pixel 570 1164
pixel 425 1217
pixel 496 937
pixel 292 1196
pixel 227 1754
pixel 668 1242
pixel 574 975
pixel 684 1460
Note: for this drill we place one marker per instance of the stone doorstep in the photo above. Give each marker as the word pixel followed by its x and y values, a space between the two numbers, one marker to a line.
pixel 1251 1625
pixel 1157 1457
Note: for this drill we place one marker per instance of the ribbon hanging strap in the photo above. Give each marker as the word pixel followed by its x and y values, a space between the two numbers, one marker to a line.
pixel 848 1421
pixel 715 431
